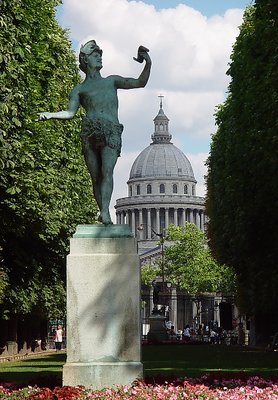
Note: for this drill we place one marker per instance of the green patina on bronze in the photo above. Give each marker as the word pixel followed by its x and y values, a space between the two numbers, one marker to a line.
pixel 101 131
pixel 102 231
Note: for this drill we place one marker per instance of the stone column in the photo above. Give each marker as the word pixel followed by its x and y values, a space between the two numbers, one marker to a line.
pixel 173 306
pixel 196 320
pixel 141 232
pixel 127 217
pixel 201 220
pixel 198 219
pixel 149 224
pixel 140 216
pixel 176 216
pixel 166 218
pixel 117 217
pixel 133 228
pixel 183 216
pixel 191 219
pixel 103 308
pixel 217 301
pixel 122 217
pixel 157 220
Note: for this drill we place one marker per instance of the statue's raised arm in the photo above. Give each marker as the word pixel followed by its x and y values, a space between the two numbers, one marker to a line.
pixel 141 81
pixel 101 132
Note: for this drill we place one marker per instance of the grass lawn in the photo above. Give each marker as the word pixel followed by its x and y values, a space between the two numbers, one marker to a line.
pixel 197 360
pixel 174 360
pixel 43 371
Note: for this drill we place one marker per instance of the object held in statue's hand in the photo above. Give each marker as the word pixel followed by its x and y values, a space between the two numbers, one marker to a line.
pixel 141 49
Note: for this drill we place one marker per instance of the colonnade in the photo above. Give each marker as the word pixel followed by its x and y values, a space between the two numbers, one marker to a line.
pixel 182 308
pixel 159 218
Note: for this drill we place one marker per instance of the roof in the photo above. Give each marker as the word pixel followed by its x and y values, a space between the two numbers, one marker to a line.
pixel 161 160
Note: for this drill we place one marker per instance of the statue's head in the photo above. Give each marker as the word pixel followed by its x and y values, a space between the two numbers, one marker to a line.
pixel 85 50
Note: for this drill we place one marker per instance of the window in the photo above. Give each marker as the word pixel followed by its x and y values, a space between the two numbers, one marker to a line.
pixel 162 188
pixel 185 189
pixel 149 189
pixel 193 190
pixel 130 190
pixel 137 189
pixel 175 188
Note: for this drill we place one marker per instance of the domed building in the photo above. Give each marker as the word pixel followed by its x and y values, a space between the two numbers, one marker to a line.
pixel 161 189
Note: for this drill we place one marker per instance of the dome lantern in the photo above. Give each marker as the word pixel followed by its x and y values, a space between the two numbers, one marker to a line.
pixel 161 126
pixel 161 159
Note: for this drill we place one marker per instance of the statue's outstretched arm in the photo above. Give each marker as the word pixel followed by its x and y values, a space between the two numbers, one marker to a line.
pixel 141 81
pixel 67 114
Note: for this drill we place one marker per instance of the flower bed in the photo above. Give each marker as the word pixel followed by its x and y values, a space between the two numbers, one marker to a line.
pixel 208 387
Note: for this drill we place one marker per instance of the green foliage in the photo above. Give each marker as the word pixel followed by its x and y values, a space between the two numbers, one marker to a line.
pixel 44 186
pixel 149 273
pixel 242 202
pixel 189 264
pixel 4 283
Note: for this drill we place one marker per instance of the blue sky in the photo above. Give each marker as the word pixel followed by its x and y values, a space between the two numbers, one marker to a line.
pixel 190 45
pixel 206 7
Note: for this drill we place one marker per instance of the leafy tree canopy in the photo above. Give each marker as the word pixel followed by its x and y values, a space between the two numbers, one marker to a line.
pixel 242 200
pixel 189 264
pixel 44 186
pixel 4 282
pixel 149 273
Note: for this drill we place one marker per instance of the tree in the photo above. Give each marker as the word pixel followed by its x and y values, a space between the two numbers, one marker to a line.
pixel 45 189
pixel 189 264
pixel 3 284
pixel 149 273
pixel 242 202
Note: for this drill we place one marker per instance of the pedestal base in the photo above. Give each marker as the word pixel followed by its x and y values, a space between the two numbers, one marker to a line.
pixel 97 375
pixel 103 308
pixel 157 332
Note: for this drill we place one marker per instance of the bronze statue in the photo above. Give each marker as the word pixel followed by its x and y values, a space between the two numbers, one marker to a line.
pixel 101 131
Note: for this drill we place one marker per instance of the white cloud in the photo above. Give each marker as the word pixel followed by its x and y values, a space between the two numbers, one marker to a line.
pixel 190 54
pixel 192 111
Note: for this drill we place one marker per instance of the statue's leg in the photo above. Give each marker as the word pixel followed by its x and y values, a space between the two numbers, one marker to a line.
pixel 109 159
pixel 93 162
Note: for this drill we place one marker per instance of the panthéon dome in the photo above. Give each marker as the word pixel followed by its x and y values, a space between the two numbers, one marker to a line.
pixel 161 159
pixel 161 186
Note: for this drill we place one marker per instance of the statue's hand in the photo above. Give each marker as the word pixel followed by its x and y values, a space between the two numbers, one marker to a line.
pixel 145 55
pixel 142 54
pixel 43 116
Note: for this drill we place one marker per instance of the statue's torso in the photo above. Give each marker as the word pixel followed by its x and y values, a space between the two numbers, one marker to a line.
pixel 99 98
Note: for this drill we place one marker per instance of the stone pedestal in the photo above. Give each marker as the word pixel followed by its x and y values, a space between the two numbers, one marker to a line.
pixel 12 348
pixel 103 308
pixel 157 332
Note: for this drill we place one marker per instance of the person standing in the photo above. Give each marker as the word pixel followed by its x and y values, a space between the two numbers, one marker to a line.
pixel 186 333
pixel 58 337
